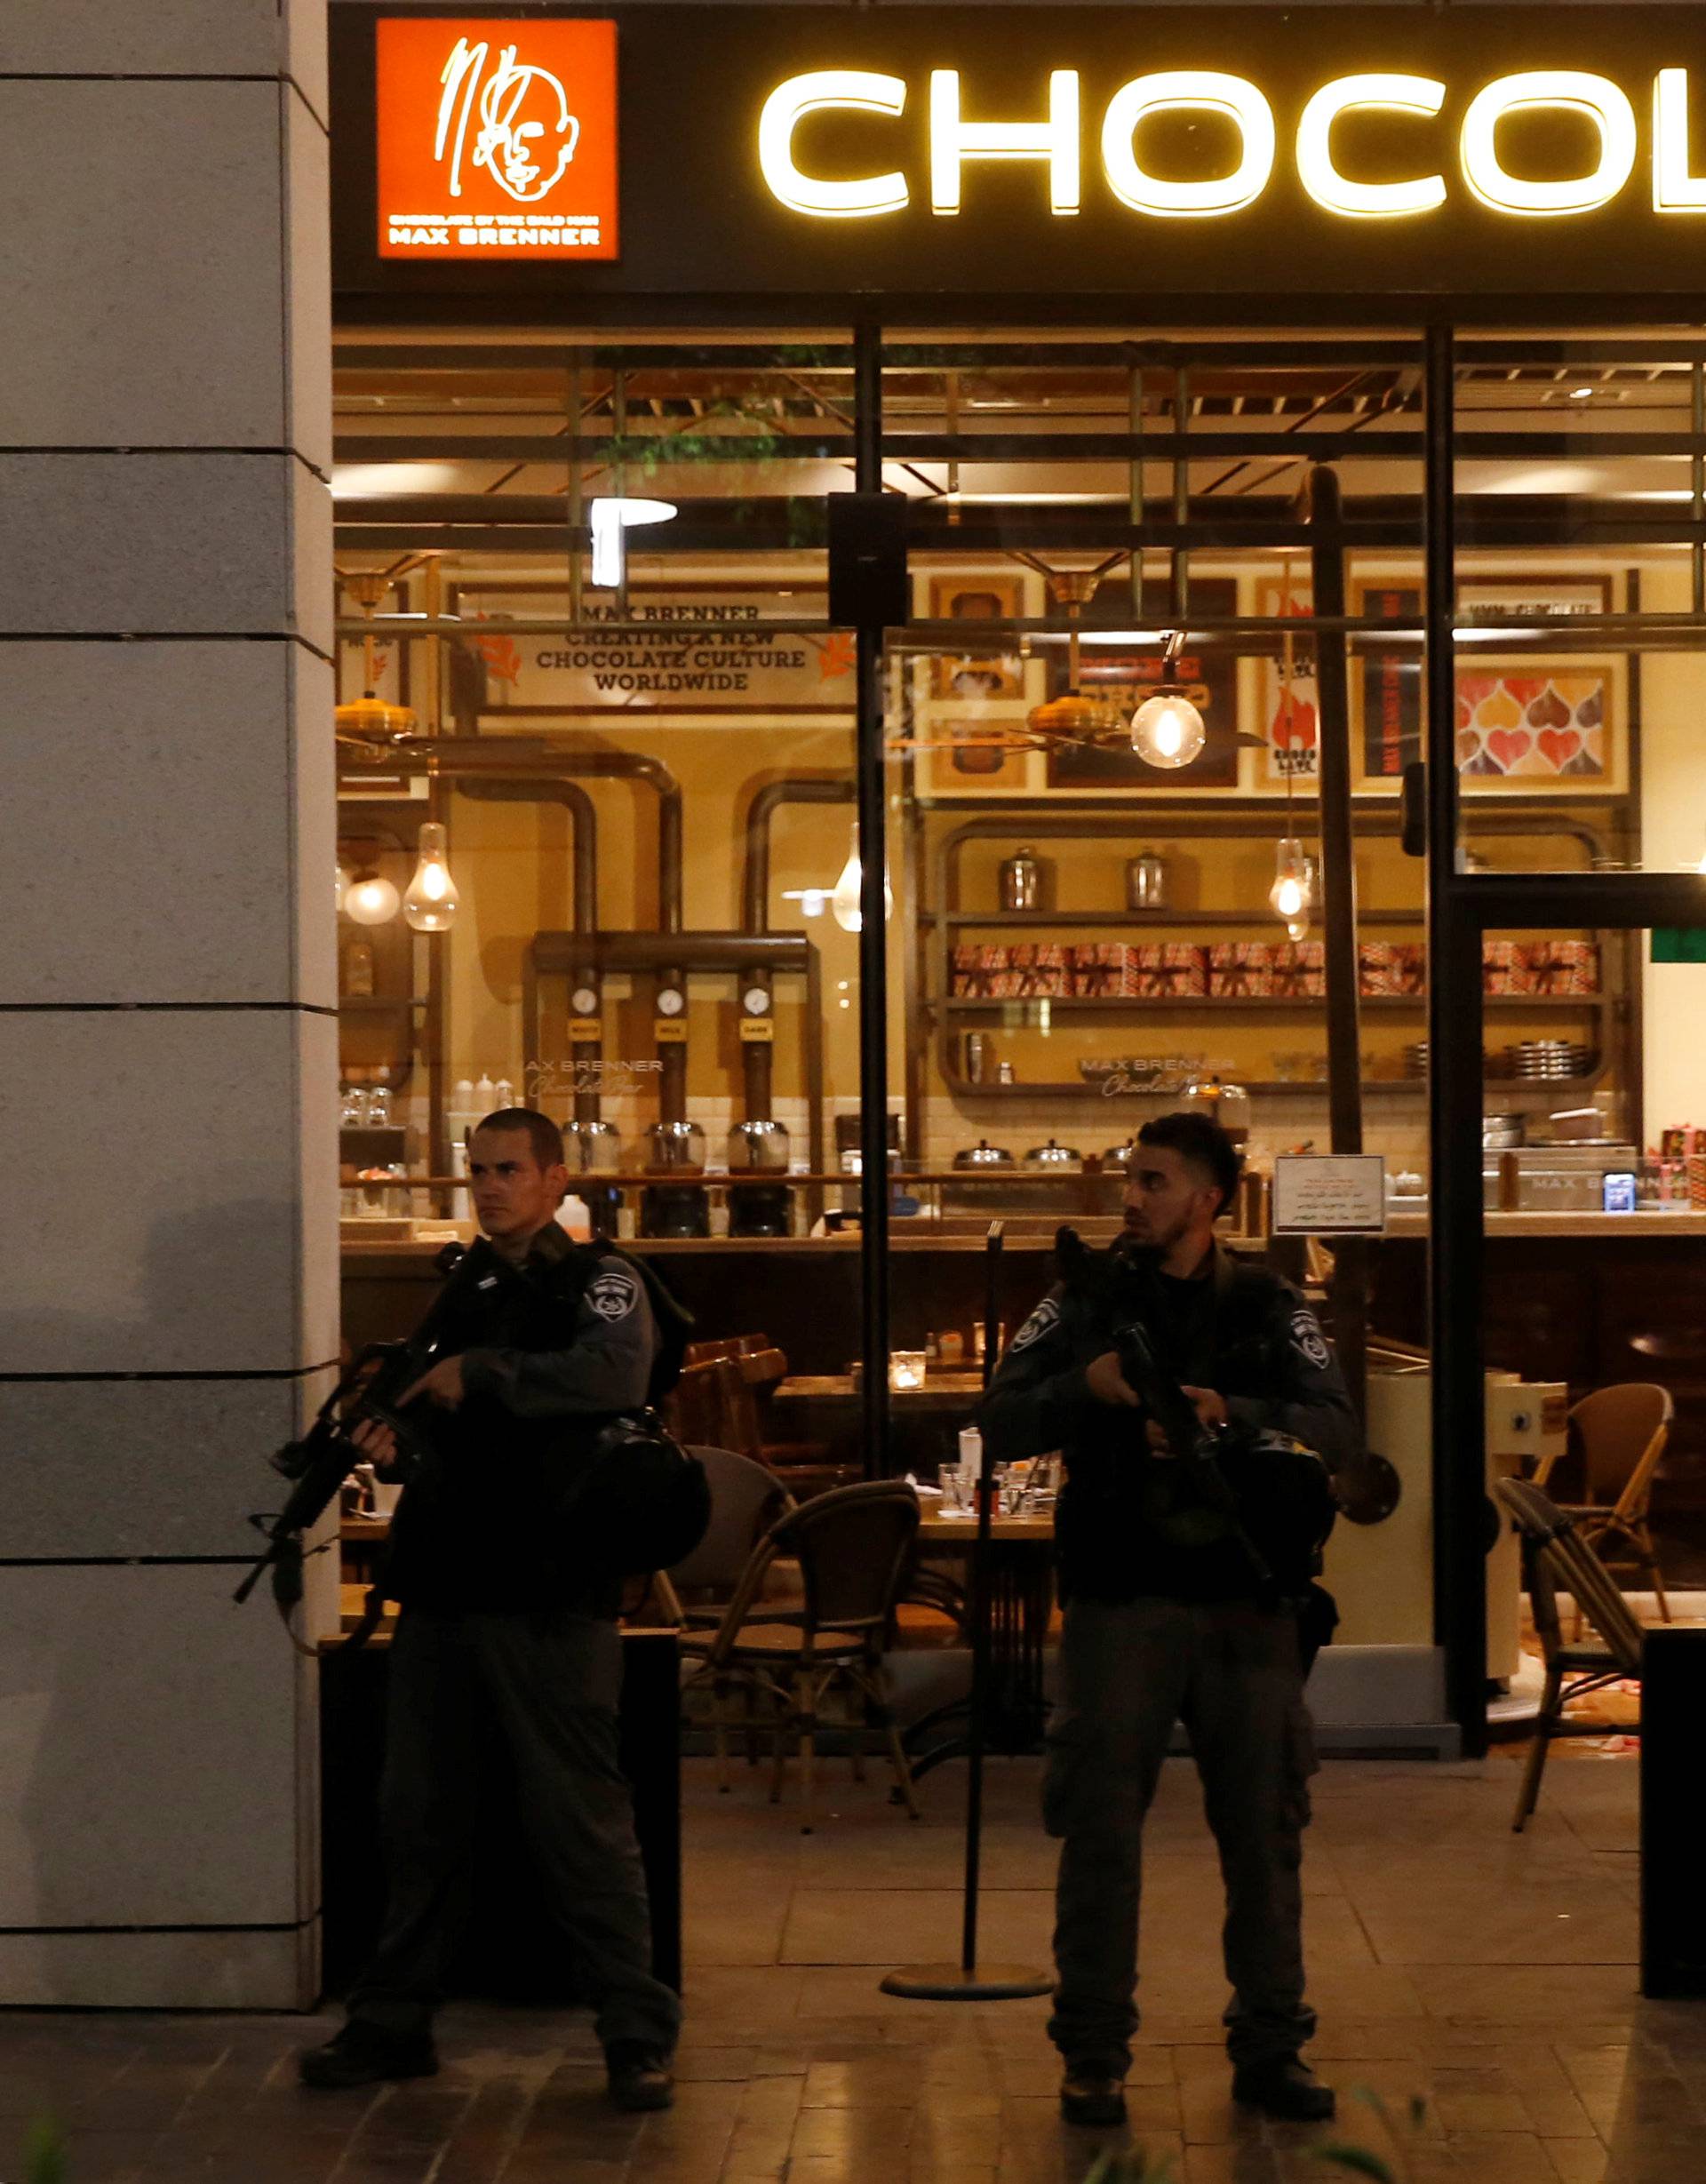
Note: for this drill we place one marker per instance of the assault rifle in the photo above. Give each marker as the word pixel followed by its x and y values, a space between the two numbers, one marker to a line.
pixel 1271 1496
pixel 1193 1444
pixel 318 1464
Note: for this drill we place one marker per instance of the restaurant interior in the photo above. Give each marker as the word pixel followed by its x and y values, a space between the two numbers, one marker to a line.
pixel 1149 744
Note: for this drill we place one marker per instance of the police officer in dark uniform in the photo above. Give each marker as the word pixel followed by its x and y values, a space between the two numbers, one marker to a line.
pixel 1165 1619
pixel 496 1622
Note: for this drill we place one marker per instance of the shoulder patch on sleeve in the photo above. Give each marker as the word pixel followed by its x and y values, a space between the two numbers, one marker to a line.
pixel 1046 1316
pixel 613 1293
pixel 1309 1340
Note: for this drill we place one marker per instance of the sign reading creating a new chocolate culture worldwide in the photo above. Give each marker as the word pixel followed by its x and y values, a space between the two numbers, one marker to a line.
pixel 995 154
pixel 681 650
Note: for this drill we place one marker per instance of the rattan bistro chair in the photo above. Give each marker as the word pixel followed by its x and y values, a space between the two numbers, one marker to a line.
pixel 1559 1559
pixel 853 1545
pixel 1622 1431
pixel 747 1498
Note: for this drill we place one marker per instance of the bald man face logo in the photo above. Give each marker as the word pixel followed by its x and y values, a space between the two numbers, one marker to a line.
pixel 525 135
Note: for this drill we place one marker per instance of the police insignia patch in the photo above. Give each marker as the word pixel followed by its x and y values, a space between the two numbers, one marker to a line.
pixel 1037 1325
pixel 613 1295
pixel 1306 1333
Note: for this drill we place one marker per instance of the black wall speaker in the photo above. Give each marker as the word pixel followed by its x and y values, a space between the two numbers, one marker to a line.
pixel 867 561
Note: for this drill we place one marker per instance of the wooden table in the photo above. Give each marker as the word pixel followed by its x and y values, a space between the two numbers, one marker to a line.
pixel 939 1390
pixel 1017 1604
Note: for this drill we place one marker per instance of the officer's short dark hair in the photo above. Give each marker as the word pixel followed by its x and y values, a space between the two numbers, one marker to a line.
pixel 1200 1140
pixel 544 1138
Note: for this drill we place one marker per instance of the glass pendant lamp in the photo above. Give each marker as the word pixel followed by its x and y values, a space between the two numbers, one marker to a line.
pixel 431 903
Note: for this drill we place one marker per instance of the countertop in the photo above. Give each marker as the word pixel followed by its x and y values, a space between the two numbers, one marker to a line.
pixel 1657 1226
pixel 1039 1238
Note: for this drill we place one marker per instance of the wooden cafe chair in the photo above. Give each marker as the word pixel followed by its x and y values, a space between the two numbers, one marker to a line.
pixel 1621 1431
pixel 1559 1558
pixel 853 1545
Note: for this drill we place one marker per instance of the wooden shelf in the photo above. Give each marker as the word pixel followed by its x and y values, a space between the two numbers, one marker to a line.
pixel 1098 1003
pixel 1244 918
pixel 1416 1086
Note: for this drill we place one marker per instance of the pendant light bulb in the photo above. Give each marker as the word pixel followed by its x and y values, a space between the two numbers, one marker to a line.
pixel 1167 731
pixel 844 904
pixel 1289 894
pixel 1297 928
pixel 430 905
pixel 370 898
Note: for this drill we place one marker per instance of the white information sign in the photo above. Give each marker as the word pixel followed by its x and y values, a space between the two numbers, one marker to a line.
pixel 1329 1194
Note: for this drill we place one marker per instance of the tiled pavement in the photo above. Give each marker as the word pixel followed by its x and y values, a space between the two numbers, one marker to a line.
pixel 1487 1976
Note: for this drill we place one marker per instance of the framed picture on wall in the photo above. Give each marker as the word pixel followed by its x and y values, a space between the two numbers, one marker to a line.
pixel 1527 720
pixel 1527 723
pixel 1289 711
pixel 968 699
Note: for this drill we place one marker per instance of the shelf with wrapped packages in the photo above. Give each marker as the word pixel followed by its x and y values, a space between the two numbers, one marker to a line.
pixel 957 1004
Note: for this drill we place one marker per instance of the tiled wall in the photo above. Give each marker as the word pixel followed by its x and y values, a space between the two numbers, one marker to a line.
pixel 168 1070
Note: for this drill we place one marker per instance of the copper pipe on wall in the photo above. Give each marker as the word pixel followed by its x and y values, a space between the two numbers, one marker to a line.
pixel 583 822
pixel 464 758
pixel 757 1056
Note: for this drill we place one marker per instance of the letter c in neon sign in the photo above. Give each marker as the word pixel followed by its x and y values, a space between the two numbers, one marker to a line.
pixel 1316 169
pixel 857 89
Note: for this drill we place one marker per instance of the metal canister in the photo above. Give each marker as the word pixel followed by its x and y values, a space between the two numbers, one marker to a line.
pixel 976 1057
pixel 1022 877
pixel 1146 881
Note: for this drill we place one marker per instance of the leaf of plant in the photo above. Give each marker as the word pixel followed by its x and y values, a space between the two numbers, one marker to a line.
pixel 45 2160
pixel 1359 2160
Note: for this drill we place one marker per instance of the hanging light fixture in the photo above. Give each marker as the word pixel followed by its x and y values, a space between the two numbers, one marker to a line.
pixel 343 885
pixel 431 903
pixel 1292 896
pixel 370 898
pixel 845 903
pixel 1167 729
pixel 610 517
pixel 370 718
pixel 1289 894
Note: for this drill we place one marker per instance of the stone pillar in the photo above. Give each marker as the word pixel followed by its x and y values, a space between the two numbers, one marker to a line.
pixel 168 1031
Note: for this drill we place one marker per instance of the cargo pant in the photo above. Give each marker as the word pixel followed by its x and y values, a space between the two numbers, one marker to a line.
pixel 1128 1673
pixel 551 1681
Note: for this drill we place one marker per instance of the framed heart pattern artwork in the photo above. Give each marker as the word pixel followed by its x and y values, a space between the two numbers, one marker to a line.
pixel 1536 725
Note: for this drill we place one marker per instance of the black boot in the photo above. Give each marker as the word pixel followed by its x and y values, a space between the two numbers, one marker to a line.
pixel 1288 2088
pixel 639 2076
pixel 364 2055
pixel 1093 2096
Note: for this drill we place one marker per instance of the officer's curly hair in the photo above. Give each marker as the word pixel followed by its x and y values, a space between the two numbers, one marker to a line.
pixel 1198 1139
pixel 544 1138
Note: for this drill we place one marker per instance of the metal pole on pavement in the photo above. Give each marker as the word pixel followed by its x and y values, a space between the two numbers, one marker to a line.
pixel 965 1982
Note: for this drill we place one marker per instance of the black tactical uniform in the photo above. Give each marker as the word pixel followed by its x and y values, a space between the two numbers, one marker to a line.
pixel 1164 1621
pixel 497 1621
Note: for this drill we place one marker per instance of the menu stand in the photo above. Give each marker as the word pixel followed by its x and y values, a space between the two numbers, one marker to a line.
pixel 967 1981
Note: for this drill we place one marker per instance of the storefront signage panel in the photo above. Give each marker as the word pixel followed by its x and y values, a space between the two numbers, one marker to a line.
pixel 496 138
pixel 676 651
pixel 998 153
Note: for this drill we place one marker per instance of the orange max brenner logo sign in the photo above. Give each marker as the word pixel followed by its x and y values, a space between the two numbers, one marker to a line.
pixel 497 139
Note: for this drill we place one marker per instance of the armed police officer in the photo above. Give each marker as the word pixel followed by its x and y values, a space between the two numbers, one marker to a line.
pixel 1171 1609
pixel 498 1621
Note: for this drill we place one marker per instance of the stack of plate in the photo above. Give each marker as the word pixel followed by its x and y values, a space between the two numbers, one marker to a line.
pixel 1552 1057
pixel 1415 1058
